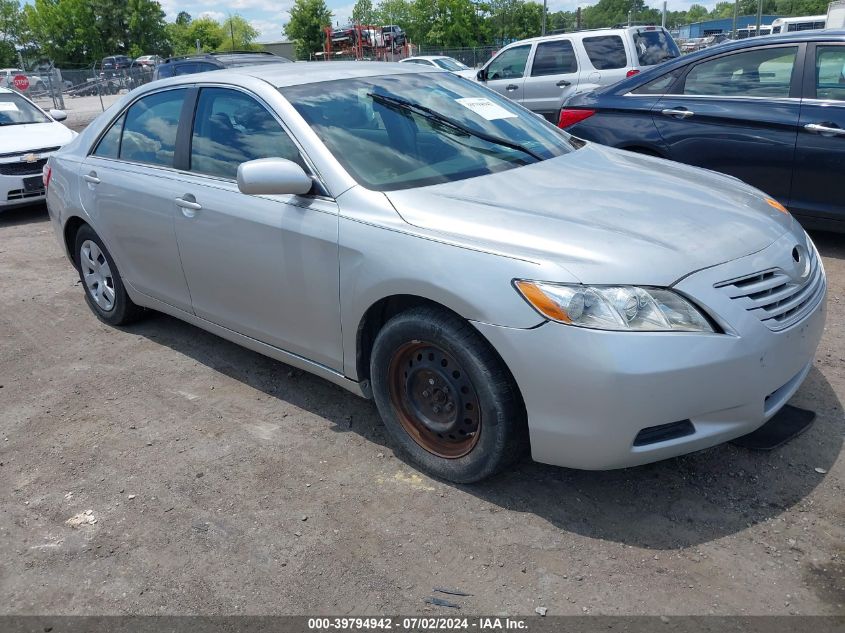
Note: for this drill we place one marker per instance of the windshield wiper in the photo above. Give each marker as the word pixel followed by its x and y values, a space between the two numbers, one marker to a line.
pixel 433 115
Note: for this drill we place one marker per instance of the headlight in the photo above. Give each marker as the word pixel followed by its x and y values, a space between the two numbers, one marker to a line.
pixel 614 307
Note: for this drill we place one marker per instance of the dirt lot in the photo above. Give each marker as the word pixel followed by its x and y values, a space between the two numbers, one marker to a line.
pixel 219 481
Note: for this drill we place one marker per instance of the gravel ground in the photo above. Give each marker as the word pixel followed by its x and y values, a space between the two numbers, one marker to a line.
pixel 159 469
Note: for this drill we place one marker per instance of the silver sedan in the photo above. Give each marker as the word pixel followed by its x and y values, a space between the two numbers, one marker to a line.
pixel 494 284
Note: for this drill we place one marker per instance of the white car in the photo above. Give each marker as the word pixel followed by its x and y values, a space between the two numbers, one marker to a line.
pixel 441 61
pixel 28 136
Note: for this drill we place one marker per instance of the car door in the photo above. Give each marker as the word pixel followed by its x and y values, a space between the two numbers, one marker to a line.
pixel 506 72
pixel 552 78
pixel 820 151
pixel 737 113
pixel 127 187
pixel 263 266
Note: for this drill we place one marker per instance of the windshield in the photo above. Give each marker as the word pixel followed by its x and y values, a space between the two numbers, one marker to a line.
pixel 401 131
pixel 450 64
pixel 654 47
pixel 15 110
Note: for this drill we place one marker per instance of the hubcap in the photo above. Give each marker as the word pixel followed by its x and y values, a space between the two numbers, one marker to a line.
pixel 97 275
pixel 435 400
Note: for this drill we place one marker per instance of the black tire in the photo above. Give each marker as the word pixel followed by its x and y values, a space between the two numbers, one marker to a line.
pixel 501 437
pixel 123 311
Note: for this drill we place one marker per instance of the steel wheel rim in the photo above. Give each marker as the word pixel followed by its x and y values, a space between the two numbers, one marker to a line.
pixel 96 272
pixel 435 400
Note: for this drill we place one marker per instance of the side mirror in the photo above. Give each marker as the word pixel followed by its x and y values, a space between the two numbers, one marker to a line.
pixel 58 115
pixel 273 176
pixel 482 75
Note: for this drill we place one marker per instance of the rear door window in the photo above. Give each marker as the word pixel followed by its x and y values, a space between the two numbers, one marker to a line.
pixel 149 134
pixel 654 47
pixel 606 52
pixel 554 58
pixel 765 72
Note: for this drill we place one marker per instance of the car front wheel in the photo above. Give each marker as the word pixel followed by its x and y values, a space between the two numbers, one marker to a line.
pixel 446 397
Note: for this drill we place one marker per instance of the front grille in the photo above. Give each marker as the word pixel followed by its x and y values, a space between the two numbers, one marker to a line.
pixel 777 299
pixel 22 169
pixel 20 194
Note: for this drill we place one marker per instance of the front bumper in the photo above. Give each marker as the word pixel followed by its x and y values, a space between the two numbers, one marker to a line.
pixel 13 193
pixel 589 393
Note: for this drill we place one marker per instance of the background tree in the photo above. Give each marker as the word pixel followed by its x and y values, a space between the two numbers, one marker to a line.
pixel 308 18
pixel 64 30
pixel 238 34
pixel 363 12
pixel 697 13
pixel 183 18
pixel 145 29
pixel 10 23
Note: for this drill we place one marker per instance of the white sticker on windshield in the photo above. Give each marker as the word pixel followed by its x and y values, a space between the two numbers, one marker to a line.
pixel 8 106
pixel 486 108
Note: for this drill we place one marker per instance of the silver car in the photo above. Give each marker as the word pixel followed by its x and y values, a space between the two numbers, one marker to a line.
pixel 541 73
pixel 491 282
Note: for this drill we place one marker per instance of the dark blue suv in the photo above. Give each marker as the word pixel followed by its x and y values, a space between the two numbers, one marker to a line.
pixel 768 110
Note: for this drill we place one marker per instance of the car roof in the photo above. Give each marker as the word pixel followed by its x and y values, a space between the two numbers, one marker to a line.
pixel 288 74
pixel 588 33
pixel 429 57
pixel 222 56
pixel 795 37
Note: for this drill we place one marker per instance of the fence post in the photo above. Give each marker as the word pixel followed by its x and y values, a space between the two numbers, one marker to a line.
pixel 97 82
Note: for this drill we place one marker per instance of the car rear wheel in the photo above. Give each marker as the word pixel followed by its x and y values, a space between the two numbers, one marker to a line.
pixel 104 289
pixel 446 397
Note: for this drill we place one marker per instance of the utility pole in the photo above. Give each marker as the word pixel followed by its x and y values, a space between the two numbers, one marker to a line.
pixel 736 13
pixel 578 19
pixel 544 18
pixel 759 15
pixel 232 30
pixel 663 17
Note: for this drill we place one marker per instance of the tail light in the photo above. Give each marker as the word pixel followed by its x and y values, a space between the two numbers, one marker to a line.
pixel 571 117
pixel 632 72
pixel 46 174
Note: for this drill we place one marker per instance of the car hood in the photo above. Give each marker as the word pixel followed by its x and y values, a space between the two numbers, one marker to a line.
pixel 606 216
pixel 25 138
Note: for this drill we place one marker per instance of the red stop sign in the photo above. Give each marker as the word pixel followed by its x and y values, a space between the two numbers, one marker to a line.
pixel 21 82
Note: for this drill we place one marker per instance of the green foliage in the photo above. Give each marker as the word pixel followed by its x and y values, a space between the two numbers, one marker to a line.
pixel 238 34
pixel 308 18
pixel 76 32
pixel 363 12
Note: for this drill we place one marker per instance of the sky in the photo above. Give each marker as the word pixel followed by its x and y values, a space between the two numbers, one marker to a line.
pixel 269 16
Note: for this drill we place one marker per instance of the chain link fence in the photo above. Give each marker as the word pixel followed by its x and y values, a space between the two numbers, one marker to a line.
pixel 473 57
pixel 59 88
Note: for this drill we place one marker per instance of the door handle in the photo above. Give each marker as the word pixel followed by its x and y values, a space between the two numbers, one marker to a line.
pixel 189 207
pixel 563 83
pixel 824 130
pixel 678 114
pixel 92 178
pixel 511 87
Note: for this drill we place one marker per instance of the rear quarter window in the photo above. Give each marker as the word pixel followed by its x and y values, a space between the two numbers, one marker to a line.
pixel 606 52
pixel 660 85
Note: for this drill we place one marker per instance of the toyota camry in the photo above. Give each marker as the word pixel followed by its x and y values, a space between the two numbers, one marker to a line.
pixel 492 283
